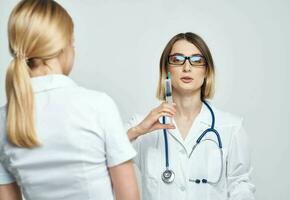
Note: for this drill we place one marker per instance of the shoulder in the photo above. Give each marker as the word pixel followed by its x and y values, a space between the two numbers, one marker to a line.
pixel 229 126
pixel 3 111
pixel 89 93
pixel 2 122
pixel 99 99
pixel 224 118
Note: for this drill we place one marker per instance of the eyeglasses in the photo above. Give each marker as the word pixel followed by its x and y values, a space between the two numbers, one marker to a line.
pixel 194 60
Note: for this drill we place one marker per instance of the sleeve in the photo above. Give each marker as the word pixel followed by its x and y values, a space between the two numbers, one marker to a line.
pixel 133 121
pixel 5 176
pixel 239 167
pixel 117 145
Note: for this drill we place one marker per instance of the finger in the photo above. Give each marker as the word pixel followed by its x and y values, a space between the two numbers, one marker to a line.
pixel 171 107
pixel 167 106
pixel 154 117
pixel 161 114
pixel 167 111
pixel 165 126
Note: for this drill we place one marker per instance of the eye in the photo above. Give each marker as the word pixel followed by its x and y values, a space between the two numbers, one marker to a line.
pixel 176 59
pixel 197 59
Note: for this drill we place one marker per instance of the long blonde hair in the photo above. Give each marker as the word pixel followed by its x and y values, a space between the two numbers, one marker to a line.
pixel 37 29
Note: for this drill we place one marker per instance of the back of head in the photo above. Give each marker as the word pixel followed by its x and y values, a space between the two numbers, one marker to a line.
pixel 37 29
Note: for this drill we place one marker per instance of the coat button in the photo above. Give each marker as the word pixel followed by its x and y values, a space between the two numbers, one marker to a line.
pixel 182 188
pixel 182 151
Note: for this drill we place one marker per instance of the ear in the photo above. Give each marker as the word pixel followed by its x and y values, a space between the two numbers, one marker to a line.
pixel 35 62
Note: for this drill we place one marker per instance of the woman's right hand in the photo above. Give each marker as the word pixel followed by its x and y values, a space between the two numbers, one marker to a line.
pixel 151 121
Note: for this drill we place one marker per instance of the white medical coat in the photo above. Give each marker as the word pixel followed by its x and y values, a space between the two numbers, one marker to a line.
pixel 203 163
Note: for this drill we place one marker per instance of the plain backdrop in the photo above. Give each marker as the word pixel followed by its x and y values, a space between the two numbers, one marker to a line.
pixel 119 43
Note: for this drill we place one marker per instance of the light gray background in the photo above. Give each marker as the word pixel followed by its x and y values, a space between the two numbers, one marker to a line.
pixel 118 45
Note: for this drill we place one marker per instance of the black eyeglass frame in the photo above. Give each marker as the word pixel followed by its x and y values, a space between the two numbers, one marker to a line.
pixel 186 58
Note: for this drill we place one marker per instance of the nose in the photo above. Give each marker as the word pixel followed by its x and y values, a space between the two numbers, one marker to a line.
pixel 186 66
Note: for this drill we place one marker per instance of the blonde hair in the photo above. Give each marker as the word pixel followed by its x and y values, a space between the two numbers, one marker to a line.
pixel 207 89
pixel 37 29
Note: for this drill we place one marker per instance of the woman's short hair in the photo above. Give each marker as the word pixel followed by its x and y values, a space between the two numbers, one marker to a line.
pixel 207 89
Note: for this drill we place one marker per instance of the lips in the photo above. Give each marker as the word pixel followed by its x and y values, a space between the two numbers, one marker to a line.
pixel 186 79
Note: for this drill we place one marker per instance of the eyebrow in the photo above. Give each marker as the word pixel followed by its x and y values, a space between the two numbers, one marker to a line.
pixel 196 54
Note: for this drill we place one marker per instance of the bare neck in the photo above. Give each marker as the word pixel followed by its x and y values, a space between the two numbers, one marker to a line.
pixel 51 66
pixel 187 105
pixel 187 108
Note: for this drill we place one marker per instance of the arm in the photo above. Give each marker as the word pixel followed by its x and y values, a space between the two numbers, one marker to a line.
pixel 239 168
pixel 124 181
pixel 134 133
pixel 151 121
pixel 118 152
pixel 10 192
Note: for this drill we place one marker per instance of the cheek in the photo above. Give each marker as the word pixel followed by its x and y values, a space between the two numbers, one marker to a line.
pixel 175 74
pixel 199 79
pixel 200 75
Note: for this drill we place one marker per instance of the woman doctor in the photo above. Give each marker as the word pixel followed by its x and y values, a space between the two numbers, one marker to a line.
pixel 209 170
pixel 57 141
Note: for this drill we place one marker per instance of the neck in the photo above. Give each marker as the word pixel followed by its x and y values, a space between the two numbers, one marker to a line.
pixel 49 67
pixel 187 105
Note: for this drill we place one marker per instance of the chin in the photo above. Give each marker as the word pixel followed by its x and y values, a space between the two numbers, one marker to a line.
pixel 187 89
pixel 186 86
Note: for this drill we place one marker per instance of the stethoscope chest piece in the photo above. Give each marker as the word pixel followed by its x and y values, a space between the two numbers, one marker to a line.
pixel 168 176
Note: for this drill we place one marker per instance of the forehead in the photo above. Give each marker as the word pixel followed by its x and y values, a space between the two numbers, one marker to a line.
pixel 184 47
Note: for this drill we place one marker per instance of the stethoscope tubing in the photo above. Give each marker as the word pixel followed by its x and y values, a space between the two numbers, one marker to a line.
pixel 219 144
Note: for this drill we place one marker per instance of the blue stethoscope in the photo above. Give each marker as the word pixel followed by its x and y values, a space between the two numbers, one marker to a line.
pixel 168 175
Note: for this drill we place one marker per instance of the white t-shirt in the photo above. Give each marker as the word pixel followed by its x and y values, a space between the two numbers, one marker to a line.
pixel 81 134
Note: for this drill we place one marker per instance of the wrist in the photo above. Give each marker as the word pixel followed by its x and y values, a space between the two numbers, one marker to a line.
pixel 135 132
